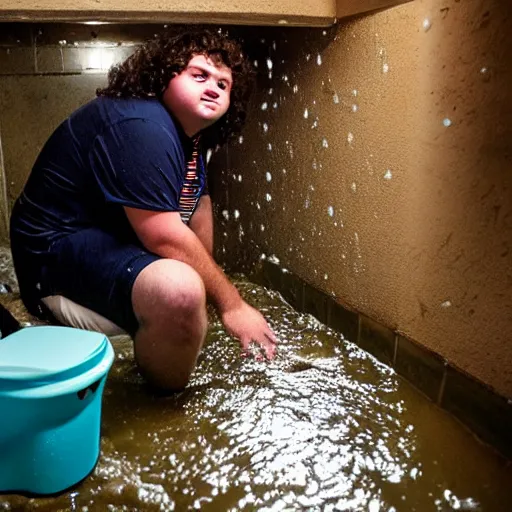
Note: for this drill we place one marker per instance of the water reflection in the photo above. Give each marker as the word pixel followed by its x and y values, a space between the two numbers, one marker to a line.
pixel 322 427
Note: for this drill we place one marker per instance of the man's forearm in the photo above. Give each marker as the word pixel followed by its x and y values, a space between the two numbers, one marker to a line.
pixel 185 246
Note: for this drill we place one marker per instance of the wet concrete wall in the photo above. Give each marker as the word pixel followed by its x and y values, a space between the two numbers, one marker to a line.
pixel 377 168
pixel 375 165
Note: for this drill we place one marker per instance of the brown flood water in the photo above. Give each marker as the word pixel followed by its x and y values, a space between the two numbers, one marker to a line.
pixel 323 427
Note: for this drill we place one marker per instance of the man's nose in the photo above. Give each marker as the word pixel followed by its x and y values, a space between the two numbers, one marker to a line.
pixel 211 92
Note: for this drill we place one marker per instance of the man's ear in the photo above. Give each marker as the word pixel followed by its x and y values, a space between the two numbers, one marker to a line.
pixel 173 75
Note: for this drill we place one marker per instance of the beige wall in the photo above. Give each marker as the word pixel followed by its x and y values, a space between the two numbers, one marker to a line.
pixel 283 12
pixel 245 12
pixel 423 248
pixel 421 229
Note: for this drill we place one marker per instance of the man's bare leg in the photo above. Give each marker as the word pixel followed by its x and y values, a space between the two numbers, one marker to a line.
pixel 169 300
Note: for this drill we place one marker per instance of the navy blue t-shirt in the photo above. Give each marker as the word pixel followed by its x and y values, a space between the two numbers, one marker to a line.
pixel 108 154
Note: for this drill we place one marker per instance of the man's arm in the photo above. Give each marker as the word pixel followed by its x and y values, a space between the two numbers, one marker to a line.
pixel 201 222
pixel 165 234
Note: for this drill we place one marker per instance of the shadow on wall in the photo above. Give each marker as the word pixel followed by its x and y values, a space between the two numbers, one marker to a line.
pixel 354 7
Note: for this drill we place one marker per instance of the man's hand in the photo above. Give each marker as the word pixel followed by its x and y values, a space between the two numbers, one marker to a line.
pixel 248 325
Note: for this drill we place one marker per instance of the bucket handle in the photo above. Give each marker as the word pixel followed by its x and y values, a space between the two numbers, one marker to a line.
pixel 92 387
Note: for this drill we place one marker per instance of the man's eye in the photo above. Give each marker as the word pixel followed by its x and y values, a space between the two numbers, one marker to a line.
pixel 223 85
pixel 200 76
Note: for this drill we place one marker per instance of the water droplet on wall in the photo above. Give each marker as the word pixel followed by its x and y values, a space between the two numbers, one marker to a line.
pixel 325 144
pixel 236 214
pixel 353 187
pixel 306 114
pixel 385 68
pixel 350 137
pixel 319 59
pixel 426 24
pixel 447 122
pixel 388 175
pixel 486 75
pixel 268 176
pixel 335 98
pixel 225 214
pixel 265 127
pixel 269 64
pixel 268 197
pixel 330 211
pixel 264 106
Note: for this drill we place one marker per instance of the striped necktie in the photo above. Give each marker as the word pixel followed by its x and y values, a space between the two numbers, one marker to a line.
pixel 191 185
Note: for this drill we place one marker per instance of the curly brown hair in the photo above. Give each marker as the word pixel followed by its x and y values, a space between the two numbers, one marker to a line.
pixel 147 72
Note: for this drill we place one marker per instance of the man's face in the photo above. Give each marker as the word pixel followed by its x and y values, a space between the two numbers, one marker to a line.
pixel 200 94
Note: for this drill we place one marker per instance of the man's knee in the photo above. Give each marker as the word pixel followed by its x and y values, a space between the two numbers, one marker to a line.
pixel 169 301
pixel 168 290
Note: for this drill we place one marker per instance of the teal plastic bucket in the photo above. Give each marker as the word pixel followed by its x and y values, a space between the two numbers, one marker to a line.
pixel 51 387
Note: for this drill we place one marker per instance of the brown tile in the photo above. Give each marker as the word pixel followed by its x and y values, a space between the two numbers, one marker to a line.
pixel 16 61
pixel 292 289
pixel 423 368
pixel 487 414
pixel 93 59
pixel 316 303
pixel 343 321
pixel 377 339
pixel 82 35
pixel 49 60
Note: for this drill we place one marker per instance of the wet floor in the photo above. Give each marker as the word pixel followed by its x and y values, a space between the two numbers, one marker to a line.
pixel 323 427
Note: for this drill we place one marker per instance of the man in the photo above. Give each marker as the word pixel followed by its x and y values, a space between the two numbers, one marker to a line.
pixel 113 230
